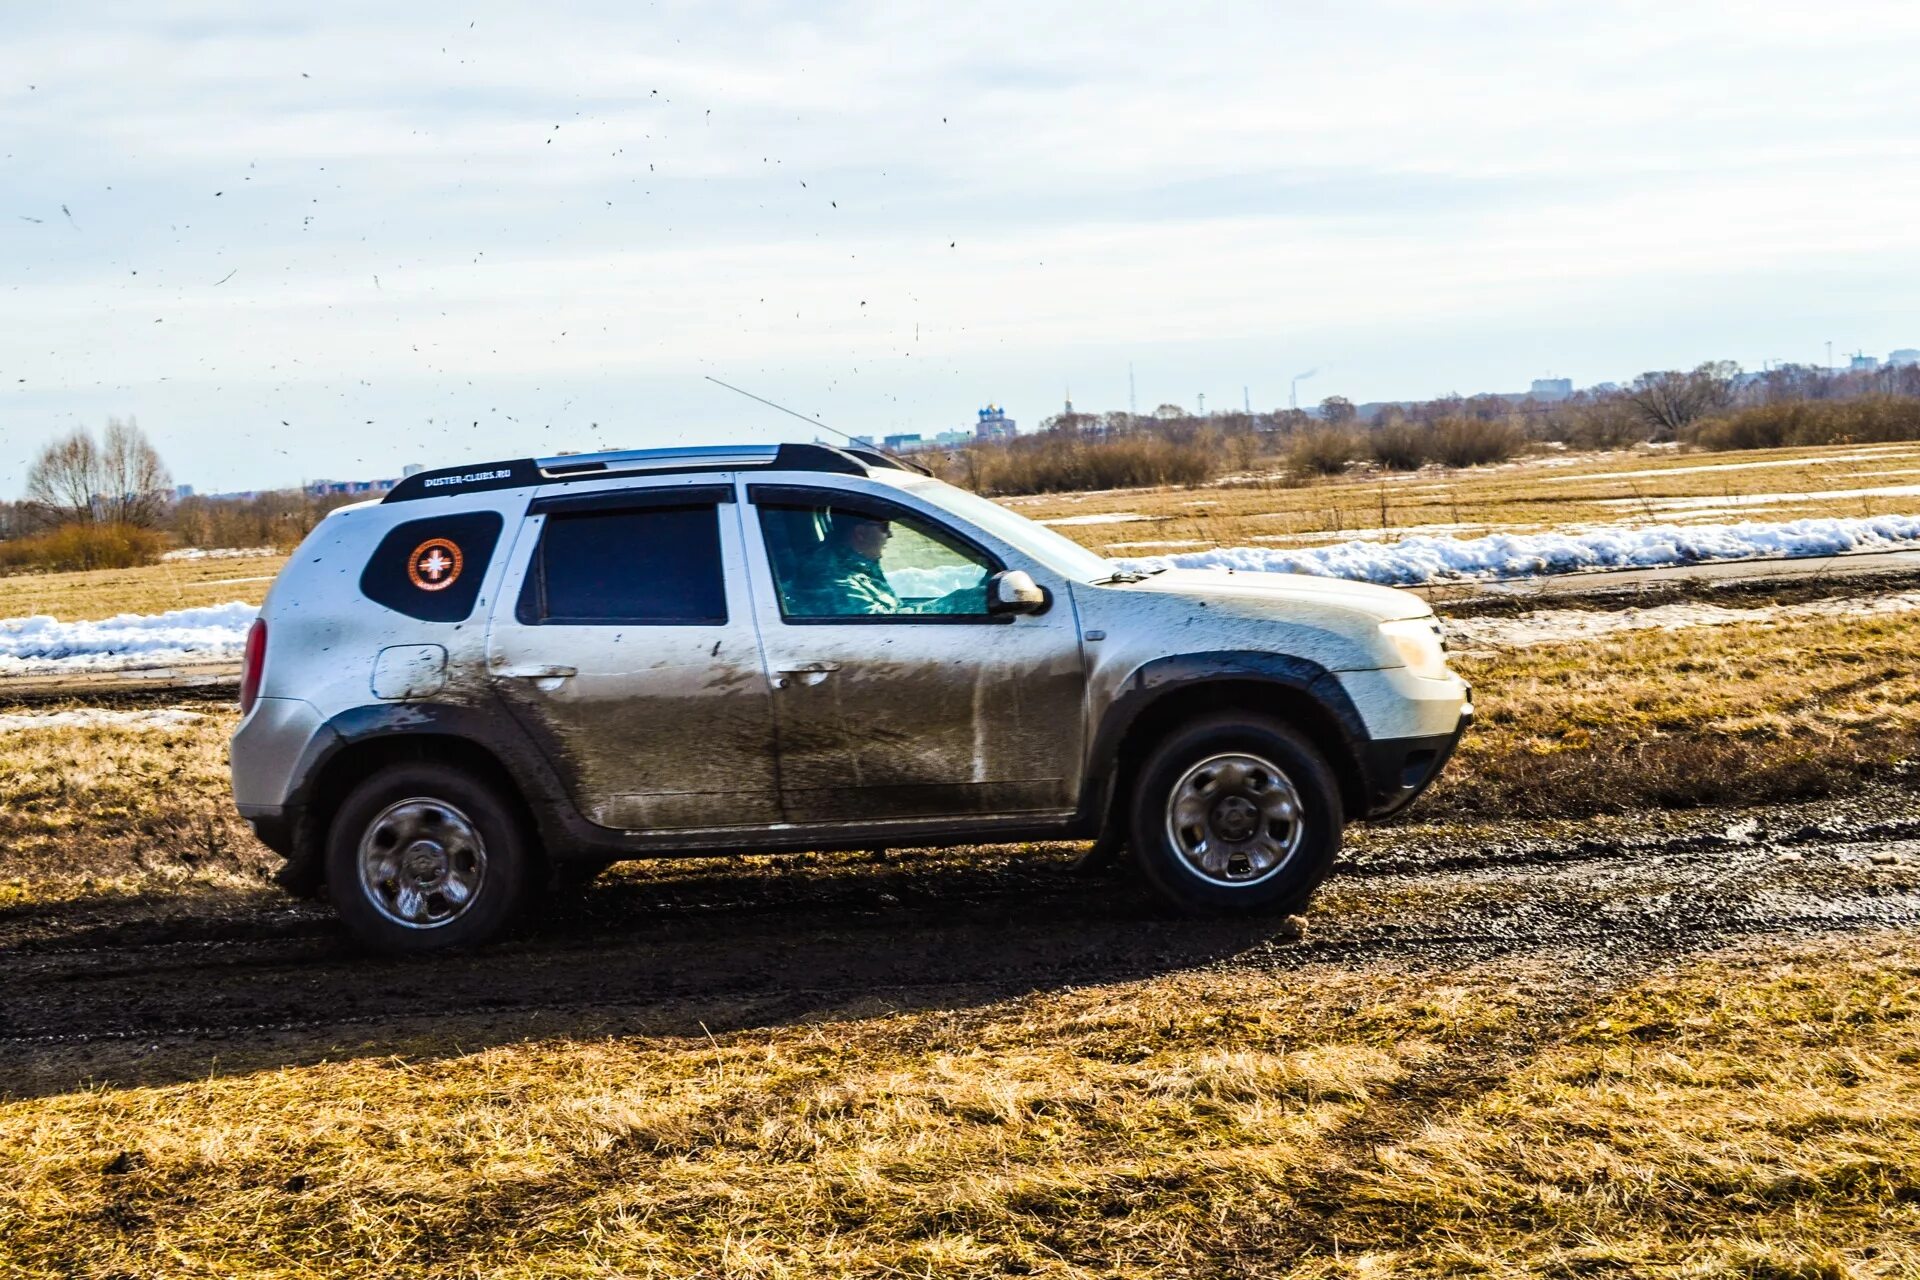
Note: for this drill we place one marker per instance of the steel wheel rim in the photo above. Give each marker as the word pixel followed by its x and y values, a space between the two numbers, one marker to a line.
pixel 422 863
pixel 1235 819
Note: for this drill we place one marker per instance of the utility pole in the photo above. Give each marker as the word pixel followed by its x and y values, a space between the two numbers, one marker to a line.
pixel 1246 401
pixel 1203 404
pixel 1133 403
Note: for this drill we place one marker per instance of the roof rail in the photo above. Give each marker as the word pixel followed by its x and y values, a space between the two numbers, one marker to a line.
pixel 876 458
pixel 524 472
pixel 568 464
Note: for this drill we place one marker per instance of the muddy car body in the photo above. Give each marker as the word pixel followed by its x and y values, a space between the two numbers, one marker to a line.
pixel 501 671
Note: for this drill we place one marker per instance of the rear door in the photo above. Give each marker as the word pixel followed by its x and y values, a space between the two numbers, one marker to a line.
pixel 625 644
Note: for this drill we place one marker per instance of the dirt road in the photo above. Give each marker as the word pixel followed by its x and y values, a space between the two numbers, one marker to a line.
pixel 167 989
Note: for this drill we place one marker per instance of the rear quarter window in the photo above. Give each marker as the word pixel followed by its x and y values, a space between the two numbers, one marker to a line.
pixel 432 569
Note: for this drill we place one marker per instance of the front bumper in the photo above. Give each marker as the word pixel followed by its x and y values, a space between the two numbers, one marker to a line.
pixel 1399 769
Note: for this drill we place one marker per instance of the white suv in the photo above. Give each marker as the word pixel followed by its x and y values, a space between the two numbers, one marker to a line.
pixel 507 671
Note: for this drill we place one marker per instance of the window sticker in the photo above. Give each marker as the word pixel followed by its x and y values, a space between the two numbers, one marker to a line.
pixel 435 564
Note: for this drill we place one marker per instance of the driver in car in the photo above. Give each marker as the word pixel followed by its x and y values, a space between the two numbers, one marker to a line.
pixel 844 576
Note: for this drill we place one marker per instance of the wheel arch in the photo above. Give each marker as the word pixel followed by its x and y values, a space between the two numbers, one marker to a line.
pixel 368 739
pixel 1168 692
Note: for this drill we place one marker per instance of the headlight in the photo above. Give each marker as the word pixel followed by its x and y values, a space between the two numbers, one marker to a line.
pixel 1417 641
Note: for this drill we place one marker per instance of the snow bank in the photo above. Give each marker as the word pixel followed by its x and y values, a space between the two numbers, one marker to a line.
pixel 98 718
pixel 1415 560
pixel 46 645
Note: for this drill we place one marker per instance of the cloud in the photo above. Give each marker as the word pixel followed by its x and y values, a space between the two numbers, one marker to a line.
pixel 929 202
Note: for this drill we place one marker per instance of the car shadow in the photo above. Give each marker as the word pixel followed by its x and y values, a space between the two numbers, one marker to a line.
pixel 703 949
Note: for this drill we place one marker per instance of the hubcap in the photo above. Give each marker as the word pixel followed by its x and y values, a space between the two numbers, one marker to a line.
pixel 1235 819
pixel 422 863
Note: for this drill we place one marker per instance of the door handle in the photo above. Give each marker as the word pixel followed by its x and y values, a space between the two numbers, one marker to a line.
pixel 538 673
pixel 805 673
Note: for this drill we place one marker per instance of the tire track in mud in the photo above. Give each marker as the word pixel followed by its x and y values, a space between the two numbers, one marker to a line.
pixel 722 964
pixel 119 930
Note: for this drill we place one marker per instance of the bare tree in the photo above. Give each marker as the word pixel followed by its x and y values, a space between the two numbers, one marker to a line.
pixel 63 479
pixel 120 480
pixel 1670 401
pixel 1337 410
pixel 134 482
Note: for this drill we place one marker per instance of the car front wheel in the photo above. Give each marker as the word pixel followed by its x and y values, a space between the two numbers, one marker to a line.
pixel 1236 815
pixel 424 856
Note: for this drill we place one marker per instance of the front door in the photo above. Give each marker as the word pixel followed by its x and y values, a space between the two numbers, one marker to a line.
pixel 896 694
pixel 628 649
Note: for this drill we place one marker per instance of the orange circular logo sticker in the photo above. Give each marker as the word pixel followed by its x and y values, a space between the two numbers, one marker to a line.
pixel 434 564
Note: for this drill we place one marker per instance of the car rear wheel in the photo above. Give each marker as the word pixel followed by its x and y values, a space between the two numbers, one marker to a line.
pixel 1235 815
pixel 424 856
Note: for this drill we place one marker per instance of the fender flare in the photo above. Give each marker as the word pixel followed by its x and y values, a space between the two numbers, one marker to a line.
pixel 1159 678
pixel 486 729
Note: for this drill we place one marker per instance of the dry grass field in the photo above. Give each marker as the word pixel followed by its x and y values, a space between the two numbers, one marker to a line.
pixel 171 584
pixel 1573 1017
pixel 1552 491
pixel 1752 1112
pixel 1659 718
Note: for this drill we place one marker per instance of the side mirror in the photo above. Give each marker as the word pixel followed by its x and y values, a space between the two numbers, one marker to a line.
pixel 1015 591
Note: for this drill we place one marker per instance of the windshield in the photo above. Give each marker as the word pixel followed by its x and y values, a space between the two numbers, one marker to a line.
pixel 1057 551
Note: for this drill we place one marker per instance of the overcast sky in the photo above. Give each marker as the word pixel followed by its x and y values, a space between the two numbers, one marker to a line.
pixel 328 240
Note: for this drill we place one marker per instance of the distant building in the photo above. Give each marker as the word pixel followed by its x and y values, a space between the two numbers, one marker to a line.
pixel 1903 357
pixel 864 441
pixel 1551 388
pixel 1864 364
pixel 994 424
pixel 182 491
pixel 902 442
pixel 350 488
pixel 411 469
pixel 950 439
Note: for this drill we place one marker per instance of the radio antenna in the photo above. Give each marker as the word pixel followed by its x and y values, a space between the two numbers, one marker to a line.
pixel 791 413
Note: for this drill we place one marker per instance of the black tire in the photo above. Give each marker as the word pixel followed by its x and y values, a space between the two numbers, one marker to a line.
pixel 1290 884
pixel 466 804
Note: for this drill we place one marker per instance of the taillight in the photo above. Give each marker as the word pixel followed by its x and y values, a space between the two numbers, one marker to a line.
pixel 252 665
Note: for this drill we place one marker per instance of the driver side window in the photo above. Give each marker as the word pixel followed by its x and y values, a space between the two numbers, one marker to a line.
pixel 859 562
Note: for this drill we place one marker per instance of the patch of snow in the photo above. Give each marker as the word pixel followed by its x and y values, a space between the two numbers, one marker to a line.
pixel 1099 517
pixel 1714 466
pixel 1563 626
pixel 218 553
pixel 45 645
pixel 1731 502
pixel 98 718
pixel 1421 559
pixel 1136 546
pixel 1349 534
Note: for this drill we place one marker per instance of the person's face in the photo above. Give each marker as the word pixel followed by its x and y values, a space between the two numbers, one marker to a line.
pixel 870 538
